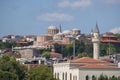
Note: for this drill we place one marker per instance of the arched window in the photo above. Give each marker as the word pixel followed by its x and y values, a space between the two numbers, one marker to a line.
pixel 55 75
pixel 93 77
pixel 70 76
pixel 87 77
pixel 58 75
pixel 118 77
pixel 63 76
pixel 66 76
pixel 113 76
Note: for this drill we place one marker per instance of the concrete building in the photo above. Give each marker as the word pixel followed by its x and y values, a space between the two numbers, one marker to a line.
pixel 42 38
pixel 75 31
pixel 26 52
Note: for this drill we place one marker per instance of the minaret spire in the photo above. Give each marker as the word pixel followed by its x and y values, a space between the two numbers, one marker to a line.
pixel 96 42
pixel 60 30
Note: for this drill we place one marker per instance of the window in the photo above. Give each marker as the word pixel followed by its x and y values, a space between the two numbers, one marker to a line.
pixel 66 76
pixel 58 75
pixel 70 76
pixel 118 77
pixel 93 77
pixel 113 76
pixel 87 77
pixel 63 76
pixel 55 75
pixel 74 77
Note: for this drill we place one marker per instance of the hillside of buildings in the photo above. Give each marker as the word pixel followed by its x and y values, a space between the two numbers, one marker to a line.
pixel 62 41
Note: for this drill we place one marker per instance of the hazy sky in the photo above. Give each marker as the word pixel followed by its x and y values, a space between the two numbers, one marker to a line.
pixel 27 17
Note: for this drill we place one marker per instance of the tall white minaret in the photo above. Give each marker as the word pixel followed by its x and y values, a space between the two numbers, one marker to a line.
pixel 96 42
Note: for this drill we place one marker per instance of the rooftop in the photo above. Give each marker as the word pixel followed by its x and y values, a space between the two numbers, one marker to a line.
pixel 100 66
pixel 87 60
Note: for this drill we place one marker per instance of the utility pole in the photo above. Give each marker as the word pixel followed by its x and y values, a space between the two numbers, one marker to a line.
pixel 73 47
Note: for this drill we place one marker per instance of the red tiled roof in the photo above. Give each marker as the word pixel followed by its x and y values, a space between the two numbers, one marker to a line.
pixel 87 60
pixel 55 54
pixel 110 41
pixel 98 66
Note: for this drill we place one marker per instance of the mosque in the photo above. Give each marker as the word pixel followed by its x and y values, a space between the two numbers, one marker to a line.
pixel 86 68
pixel 55 35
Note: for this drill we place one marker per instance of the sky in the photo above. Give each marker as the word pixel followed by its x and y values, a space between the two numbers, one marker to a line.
pixel 33 17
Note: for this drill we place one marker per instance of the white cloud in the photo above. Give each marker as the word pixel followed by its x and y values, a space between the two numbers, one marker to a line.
pixel 55 17
pixel 115 30
pixel 112 1
pixel 75 3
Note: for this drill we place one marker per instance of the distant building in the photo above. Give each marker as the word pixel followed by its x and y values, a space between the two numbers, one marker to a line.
pixel 52 30
pixel 26 53
pixel 54 55
pixel 42 38
pixel 109 37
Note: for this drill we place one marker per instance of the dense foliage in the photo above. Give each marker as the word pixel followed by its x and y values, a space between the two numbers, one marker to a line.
pixel 104 77
pixel 83 50
pixel 12 68
pixel 4 45
pixel 41 72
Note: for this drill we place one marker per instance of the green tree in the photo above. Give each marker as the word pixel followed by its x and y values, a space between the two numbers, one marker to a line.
pixel 41 72
pixel 58 48
pixel 82 55
pixel 103 77
pixel 89 49
pixel 9 64
pixel 111 49
pixel 103 48
pixel 68 50
pixel 79 46
pixel 5 75
pixel 4 45
pixel 118 36
pixel 113 78
pixel 46 54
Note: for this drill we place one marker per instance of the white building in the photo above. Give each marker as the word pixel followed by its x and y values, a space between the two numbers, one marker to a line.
pixel 86 68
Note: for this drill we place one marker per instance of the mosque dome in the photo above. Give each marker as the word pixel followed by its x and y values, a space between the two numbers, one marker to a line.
pixel 52 30
pixel 52 27
pixel 66 32
pixel 75 29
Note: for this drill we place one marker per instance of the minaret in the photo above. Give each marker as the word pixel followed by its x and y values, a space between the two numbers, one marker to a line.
pixel 60 30
pixel 96 42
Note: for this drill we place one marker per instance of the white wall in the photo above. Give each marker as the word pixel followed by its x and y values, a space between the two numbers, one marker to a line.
pixel 97 72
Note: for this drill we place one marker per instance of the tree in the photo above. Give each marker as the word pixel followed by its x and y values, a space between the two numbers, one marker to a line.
pixel 79 46
pixel 82 55
pixel 111 49
pixel 10 65
pixel 4 45
pixel 103 77
pixel 5 75
pixel 41 72
pixel 89 49
pixel 46 54
pixel 113 78
pixel 58 48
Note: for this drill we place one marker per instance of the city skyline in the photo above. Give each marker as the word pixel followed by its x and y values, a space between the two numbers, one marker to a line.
pixel 32 17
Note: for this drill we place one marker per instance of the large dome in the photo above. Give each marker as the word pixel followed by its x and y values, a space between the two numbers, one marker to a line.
pixel 52 27
pixel 66 32
pixel 75 29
